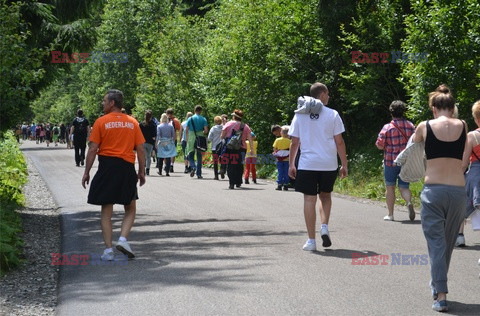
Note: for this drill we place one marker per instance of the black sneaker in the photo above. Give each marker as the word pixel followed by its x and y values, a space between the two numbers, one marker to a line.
pixel 192 173
pixel 246 181
pixel 279 187
pixel 171 168
pixel 147 171
pixel 285 188
pixel 186 170
pixel 254 181
pixel 82 162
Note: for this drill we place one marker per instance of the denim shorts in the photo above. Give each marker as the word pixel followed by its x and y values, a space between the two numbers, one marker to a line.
pixel 391 176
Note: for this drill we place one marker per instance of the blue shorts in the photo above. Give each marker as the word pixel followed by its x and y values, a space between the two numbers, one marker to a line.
pixel 391 176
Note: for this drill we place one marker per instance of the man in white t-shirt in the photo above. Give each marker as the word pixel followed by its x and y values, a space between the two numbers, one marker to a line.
pixel 319 136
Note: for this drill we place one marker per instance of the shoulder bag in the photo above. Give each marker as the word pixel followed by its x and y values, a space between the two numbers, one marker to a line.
pixel 200 141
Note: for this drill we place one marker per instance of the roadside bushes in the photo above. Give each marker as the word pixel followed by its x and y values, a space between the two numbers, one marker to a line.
pixel 13 175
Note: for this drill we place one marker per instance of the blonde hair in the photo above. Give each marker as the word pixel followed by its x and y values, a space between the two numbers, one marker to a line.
pixel 218 120
pixel 455 112
pixel 164 118
pixel 285 131
pixel 476 110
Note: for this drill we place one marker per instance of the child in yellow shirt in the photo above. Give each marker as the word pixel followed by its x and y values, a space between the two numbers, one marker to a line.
pixel 281 150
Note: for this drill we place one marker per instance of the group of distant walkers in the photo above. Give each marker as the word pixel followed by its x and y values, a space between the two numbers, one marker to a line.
pixel 42 133
pixel 307 156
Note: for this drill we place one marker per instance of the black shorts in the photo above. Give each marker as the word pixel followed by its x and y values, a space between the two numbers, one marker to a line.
pixel 313 182
pixel 114 183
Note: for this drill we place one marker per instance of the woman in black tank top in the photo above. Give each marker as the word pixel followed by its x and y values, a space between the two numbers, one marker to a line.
pixel 443 196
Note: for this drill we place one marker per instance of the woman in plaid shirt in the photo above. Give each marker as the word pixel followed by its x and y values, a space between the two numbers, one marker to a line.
pixel 392 139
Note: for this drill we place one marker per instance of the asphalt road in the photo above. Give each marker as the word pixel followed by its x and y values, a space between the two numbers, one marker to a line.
pixel 205 250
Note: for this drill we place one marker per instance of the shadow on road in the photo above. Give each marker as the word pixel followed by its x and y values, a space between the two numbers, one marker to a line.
pixel 458 308
pixel 43 147
pixel 344 253
pixel 169 253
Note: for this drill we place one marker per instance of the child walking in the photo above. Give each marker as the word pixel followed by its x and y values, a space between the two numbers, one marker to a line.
pixel 281 148
pixel 251 161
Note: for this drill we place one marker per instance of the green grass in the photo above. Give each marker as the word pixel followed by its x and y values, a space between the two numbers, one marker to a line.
pixel 365 180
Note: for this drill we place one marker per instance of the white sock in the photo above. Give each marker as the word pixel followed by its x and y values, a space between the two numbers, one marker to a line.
pixel 108 250
pixel 310 241
pixel 123 239
pixel 325 226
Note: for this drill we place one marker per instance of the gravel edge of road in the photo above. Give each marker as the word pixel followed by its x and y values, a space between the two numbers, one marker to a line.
pixel 32 289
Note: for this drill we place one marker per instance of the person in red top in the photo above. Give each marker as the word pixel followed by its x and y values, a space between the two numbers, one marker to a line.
pixel 113 138
pixel 236 157
pixel 392 139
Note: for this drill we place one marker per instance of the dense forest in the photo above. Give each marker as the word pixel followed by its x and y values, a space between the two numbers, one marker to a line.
pixel 258 56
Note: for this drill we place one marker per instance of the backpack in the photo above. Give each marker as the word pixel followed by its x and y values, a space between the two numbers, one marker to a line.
pixel 81 127
pixel 55 130
pixel 235 141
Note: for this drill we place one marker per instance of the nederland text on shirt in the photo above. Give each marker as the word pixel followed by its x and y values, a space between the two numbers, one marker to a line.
pixel 119 125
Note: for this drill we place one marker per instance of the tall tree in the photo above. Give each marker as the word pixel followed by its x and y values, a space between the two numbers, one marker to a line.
pixel 17 66
pixel 448 32
pixel 260 56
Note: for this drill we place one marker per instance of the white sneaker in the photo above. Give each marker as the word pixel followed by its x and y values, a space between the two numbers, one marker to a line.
pixel 310 246
pixel 124 248
pixel 388 218
pixel 107 256
pixel 325 237
pixel 460 242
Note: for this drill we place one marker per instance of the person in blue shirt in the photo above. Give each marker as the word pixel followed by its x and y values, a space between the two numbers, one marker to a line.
pixel 196 126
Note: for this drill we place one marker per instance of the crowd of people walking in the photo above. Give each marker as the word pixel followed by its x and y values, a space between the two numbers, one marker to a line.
pixel 439 150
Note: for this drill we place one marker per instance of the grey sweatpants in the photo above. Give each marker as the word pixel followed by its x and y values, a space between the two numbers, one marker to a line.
pixel 443 210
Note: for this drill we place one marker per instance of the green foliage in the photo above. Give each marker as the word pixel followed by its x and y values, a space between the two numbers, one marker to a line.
pixel 259 56
pixel 369 88
pixel 365 178
pixel 449 33
pixel 170 55
pixel 10 241
pixel 13 175
pixel 17 66
pixel 268 171
pixel 118 33
pixel 58 102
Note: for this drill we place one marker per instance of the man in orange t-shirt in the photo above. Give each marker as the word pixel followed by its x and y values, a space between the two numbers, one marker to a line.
pixel 113 138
